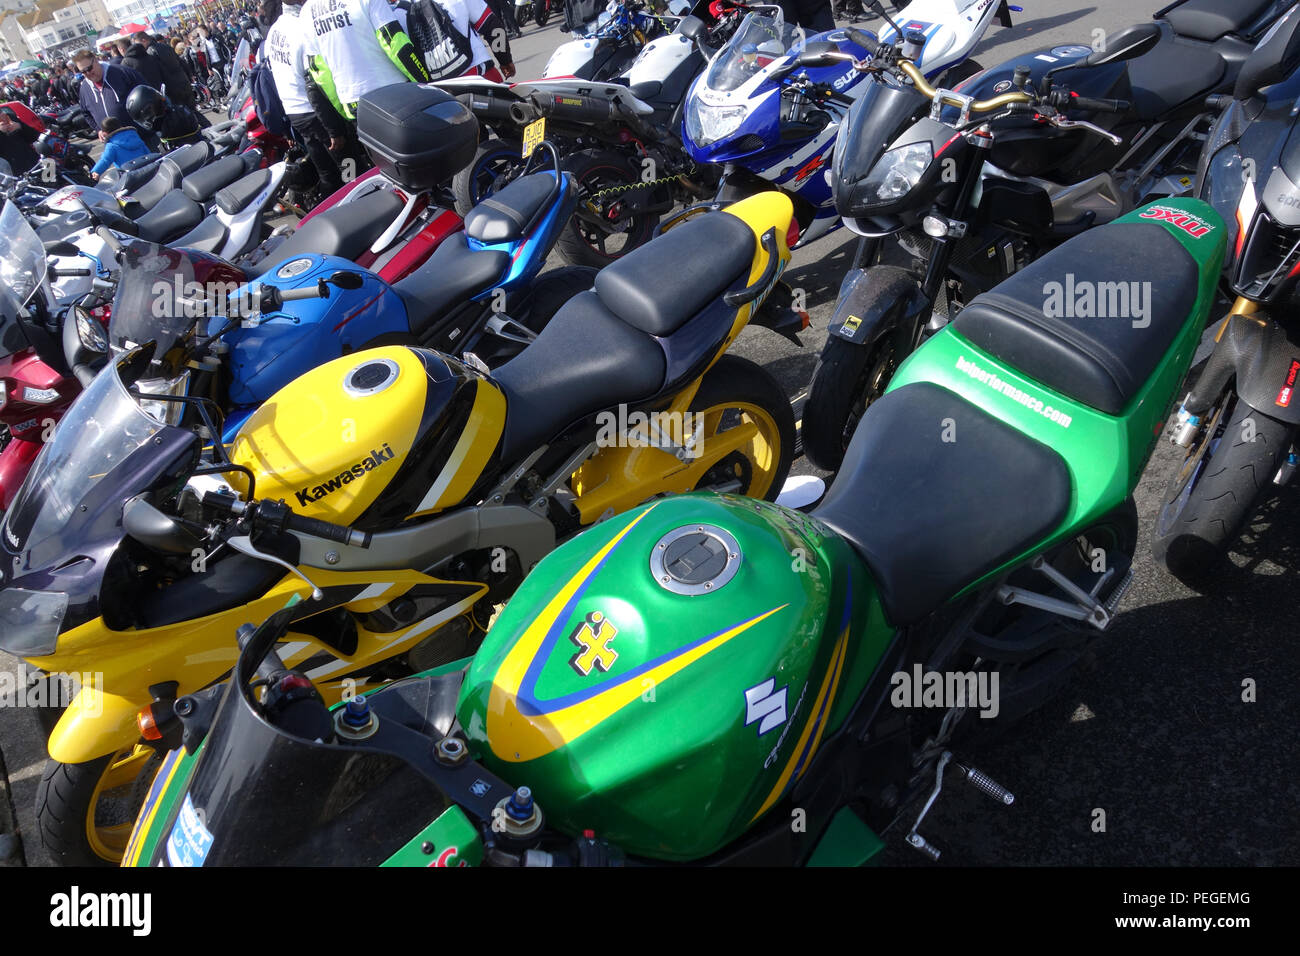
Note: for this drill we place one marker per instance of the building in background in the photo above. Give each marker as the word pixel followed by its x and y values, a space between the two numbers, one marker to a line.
pixel 57 27
pixel 13 42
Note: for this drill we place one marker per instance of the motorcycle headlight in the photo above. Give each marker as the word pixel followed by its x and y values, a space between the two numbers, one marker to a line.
pixel 707 124
pixel 169 413
pixel 91 332
pixel 897 173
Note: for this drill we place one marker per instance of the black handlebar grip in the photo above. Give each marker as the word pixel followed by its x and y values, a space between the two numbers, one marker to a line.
pixel 1099 106
pixel 328 530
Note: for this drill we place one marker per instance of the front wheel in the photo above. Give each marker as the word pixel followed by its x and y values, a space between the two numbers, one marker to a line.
pixel 847 379
pixel 541 13
pixel 1227 471
pixel 85 811
pixel 745 436
pixel 607 223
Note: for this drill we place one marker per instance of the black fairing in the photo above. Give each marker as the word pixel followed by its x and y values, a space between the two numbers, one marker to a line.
pixel 1257 143
pixel 86 559
pixel 876 120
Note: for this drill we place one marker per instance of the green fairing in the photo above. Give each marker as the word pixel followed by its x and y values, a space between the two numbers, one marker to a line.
pixel 673 772
pixel 450 840
pixel 1105 455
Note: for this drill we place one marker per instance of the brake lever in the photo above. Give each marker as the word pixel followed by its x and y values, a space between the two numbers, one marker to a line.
pixel 1061 122
pixel 244 545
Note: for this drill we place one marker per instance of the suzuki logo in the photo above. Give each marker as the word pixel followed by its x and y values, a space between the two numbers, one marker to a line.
pixel 766 705
pixel 592 637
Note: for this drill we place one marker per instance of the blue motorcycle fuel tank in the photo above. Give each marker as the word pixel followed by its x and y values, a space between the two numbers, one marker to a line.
pixel 269 350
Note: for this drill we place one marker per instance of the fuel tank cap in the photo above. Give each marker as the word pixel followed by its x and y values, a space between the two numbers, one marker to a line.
pixel 695 559
pixel 370 377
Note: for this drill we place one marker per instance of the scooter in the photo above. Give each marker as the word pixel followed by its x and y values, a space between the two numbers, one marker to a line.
pixel 422 489
pixel 713 680
pixel 1238 423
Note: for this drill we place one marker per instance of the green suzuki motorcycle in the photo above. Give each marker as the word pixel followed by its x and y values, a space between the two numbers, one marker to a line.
pixel 712 679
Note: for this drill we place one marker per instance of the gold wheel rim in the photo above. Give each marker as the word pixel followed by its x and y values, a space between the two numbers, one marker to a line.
pixel 756 436
pixel 108 840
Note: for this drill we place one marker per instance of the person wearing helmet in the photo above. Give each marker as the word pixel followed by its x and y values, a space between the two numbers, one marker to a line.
pixel 173 124
pixel 355 46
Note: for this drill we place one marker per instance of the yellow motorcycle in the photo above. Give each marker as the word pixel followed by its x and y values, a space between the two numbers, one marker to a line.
pixel 401 493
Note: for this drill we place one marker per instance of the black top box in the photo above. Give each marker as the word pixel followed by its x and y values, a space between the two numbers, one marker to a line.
pixel 419 136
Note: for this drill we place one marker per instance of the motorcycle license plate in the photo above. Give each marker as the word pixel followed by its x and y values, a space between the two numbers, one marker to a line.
pixel 534 133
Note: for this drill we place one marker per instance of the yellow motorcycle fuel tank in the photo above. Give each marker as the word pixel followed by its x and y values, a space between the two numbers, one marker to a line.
pixel 374 437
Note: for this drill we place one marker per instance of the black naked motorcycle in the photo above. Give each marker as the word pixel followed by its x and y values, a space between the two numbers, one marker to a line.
pixel 973 184
pixel 1239 421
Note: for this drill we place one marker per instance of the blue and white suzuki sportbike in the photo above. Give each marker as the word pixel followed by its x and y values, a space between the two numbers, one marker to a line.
pixel 769 112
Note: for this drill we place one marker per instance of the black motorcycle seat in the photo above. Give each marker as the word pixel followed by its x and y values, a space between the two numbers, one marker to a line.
pixel 239 194
pixel 208 236
pixel 111 179
pixel 204 183
pixel 1172 73
pixel 1209 20
pixel 584 360
pixel 165 178
pixel 702 256
pixel 189 159
pixel 990 495
pixel 454 274
pixel 508 215
pixel 174 215
pixel 131 176
pixel 345 230
pixel 1101 362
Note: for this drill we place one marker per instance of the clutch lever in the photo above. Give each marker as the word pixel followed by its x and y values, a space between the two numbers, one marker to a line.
pixel 1061 122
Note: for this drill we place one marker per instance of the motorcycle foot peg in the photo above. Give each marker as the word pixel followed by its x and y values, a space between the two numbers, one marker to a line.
pixel 986 785
pixel 918 842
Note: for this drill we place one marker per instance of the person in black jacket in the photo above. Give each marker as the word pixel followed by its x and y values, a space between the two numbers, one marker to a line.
pixel 813 15
pixel 138 59
pixel 16 142
pixel 175 83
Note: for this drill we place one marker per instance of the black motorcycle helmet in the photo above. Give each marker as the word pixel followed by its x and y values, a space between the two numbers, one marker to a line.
pixel 146 106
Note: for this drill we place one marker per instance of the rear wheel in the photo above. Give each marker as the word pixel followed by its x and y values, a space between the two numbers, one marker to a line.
pixel 496 163
pixel 606 224
pixel 1227 471
pixel 746 416
pixel 522 14
pixel 847 379
pixel 85 811
pixel 540 12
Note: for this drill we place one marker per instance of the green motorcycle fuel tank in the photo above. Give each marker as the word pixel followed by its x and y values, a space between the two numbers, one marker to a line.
pixel 665 679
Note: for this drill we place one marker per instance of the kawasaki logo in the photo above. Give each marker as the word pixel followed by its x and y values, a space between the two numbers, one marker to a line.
pixel 369 463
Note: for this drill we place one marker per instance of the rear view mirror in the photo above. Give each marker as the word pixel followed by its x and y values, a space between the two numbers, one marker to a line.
pixel 146 524
pixel 1276 56
pixel 61 248
pixel 679 8
pixel 1127 45
pixel 692 28
pixel 820 53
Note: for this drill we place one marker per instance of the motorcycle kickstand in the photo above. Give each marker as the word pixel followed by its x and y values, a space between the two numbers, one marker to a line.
pixel 976 778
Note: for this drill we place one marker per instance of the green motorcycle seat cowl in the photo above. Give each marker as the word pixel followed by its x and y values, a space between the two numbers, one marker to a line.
pixel 1093 318
pixel 934 493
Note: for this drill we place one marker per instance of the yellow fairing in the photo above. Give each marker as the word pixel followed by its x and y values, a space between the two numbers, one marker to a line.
pixel 618 478
pixel 329 452
pixel 101 719
pixel 478 440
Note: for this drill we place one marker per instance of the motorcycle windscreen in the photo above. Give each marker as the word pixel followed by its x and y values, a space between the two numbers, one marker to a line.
pixel 22 269
pixel 260 797
pixel 158 300
pixel 97 436
pixel 758 41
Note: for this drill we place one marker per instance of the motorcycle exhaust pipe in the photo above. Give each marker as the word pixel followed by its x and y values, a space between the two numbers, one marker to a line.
pixel 488 107
pixel 585 110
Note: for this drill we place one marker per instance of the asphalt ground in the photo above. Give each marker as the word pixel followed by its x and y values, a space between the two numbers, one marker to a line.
pixel 1149 758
